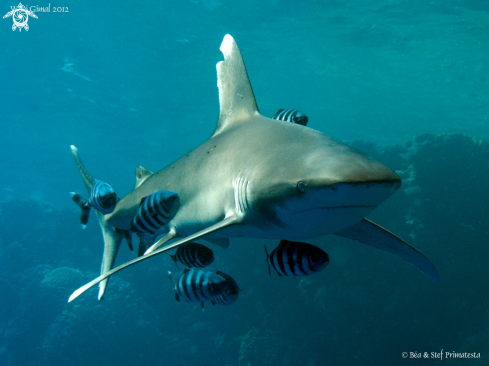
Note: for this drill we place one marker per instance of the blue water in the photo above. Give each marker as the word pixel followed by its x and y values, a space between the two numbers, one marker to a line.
pixel 132 83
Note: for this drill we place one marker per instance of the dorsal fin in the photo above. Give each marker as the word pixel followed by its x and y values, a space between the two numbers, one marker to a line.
pixel 86 176
pixel 236 98
pixel 142 174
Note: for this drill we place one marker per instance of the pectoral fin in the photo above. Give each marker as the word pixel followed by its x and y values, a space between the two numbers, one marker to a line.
pixel 228 221
pixel 372 234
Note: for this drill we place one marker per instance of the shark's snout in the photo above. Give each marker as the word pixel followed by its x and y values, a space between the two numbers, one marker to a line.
pixel 362 185
pixel 336 194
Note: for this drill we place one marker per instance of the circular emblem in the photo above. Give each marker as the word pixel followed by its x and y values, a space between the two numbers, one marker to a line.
pixel 20 18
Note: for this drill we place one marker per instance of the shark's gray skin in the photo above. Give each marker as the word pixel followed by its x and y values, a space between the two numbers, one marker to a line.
pixel 261 178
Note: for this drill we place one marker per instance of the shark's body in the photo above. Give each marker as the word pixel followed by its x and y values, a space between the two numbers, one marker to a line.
pixel 261 178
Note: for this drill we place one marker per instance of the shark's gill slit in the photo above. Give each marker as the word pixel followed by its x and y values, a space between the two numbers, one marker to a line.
pixel 246 195
pixel 240 195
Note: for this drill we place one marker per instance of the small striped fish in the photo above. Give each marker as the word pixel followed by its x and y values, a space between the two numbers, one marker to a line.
pixel 291 258
pixel 195 285
pixel 232 291
pixel 291 115
pixel 102 198
pixel 155 211
pixel 193 255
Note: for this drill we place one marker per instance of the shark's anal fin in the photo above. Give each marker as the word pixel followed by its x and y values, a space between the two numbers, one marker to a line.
pixel 171 234
pixel 236 99
pixel 88 180
pixel 376 236
pixel 228 221
pixel 222 242
pixel 144 241
pixel 112 242
pixel 128 236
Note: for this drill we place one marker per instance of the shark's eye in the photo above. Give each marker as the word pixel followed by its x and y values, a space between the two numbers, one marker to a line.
pixel 301 186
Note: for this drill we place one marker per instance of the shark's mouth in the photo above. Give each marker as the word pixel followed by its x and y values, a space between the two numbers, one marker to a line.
pixel 371 207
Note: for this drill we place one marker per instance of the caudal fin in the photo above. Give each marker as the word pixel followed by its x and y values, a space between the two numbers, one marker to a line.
pixel 112 237
pixel 112 242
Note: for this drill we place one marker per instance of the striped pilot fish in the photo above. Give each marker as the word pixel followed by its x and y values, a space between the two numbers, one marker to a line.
pixel 231 293
pixel 102 198
pixel 193 255
pixel 291 115
pixel 195 285
pixel 292 258
pixel 155 211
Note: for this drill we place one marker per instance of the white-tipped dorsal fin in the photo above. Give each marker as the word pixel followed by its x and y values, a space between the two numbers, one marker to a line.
pixel 236 98
pixel 142 174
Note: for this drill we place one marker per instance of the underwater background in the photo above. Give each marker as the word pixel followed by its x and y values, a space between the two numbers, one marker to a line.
pixel 134 83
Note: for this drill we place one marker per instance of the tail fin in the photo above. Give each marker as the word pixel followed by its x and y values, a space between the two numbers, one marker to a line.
pixel 112 242
pixel 112 237
pixel 86 177
pixel 266 260
pixel 85 208
pixel 172 280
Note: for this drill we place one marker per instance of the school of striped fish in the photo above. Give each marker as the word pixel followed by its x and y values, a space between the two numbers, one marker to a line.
pixel 289 258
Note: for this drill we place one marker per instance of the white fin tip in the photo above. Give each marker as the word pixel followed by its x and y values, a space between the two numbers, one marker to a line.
pixel 75 294
pixel 227 45
pixel 101 290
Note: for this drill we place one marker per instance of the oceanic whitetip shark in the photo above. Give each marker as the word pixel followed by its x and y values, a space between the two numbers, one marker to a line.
pixel 261 178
